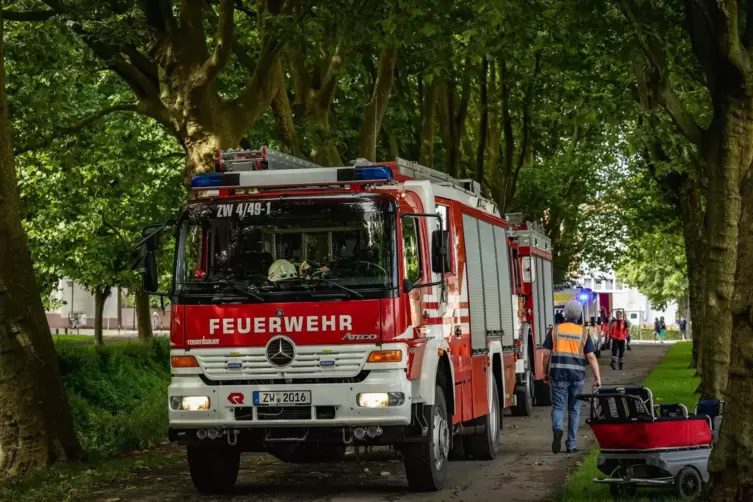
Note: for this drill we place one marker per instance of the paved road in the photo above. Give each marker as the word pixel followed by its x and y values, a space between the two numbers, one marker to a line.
pixel 525 470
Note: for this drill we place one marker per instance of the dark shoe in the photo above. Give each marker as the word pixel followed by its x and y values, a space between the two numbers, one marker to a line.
pixel 557 442
pixel 628 347
pixel 572 450
pixel 613 366
pixel 620 365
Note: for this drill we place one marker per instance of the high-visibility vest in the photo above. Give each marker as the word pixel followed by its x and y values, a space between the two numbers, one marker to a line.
pixel 568 342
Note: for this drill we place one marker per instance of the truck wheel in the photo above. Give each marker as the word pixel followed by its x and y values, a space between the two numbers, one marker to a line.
pixel 486 447
pixel 426 462
pixel 214 468
pixel 524 398
pixel 542 393
pixel 309 453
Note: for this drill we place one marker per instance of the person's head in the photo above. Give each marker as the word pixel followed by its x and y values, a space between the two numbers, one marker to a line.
pixel 656 318
pixel 573 311
pixel 662 319
pixel 619 314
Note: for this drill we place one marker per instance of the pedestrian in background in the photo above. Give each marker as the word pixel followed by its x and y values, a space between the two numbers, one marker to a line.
pixel 568 349
pixel 662 329
pixel 618 332
pixel 683 327
pixel 657 328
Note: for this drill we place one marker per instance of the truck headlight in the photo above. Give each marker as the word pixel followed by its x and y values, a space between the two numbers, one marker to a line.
pixel 380 399
pixel 189 403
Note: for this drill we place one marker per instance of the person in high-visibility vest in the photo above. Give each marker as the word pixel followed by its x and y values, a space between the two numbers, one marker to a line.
pixel 618 332
pixel 568 349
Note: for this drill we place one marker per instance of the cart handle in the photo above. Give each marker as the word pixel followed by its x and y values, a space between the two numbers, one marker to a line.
pixel 583 397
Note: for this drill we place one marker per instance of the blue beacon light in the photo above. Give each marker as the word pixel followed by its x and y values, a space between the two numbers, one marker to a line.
pixel 368 173
pixel 206 180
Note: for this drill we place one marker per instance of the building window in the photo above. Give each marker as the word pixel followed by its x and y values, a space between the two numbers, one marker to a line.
pixel 610 284
pixel 599 285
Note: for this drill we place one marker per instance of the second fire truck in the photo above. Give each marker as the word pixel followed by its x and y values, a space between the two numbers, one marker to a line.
pixel 378 304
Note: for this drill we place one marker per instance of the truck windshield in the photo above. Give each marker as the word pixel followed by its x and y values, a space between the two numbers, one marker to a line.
pixel 281 247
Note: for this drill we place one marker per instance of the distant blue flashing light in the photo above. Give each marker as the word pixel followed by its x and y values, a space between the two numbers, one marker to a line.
pixel 584 297
pixel 207 180
pixel 369 173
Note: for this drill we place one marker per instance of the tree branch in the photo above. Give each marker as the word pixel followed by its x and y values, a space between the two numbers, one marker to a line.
pixel 30 15
pixel 171 24
pixel 378 104
pixel 77 126
pixel 658 81
pixel 223 43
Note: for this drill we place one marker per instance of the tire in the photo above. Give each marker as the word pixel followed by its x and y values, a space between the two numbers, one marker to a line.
pixel 214 468
pixel 524 398
pixel 309 453
pixel 542 393
pixel 426 462
pixel 623 490
pixel 688 483
pixel 486 447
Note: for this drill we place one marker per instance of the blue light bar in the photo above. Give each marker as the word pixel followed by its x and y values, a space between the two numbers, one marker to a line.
pixel 206 180
pixel 584 297
pixel 367 173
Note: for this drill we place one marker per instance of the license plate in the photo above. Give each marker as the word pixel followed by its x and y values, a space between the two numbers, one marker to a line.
pixel 282 398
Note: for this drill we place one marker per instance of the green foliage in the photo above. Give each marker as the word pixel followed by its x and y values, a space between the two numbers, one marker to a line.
pixel 117 393
pixel 656 265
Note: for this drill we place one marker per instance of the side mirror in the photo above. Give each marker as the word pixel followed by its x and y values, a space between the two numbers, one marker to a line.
pixel 149 278
pixel 151 240
pixel 440 246
pixel 408 285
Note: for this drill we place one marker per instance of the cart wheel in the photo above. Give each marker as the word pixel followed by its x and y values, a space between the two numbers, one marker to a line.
pixel 624 490
pixel 688 483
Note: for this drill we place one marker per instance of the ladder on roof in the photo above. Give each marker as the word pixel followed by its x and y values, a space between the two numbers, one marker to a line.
pixel 419 172
pixel 259 160
pixel 268 159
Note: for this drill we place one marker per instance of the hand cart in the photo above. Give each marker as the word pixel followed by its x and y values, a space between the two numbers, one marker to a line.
pixel 647 445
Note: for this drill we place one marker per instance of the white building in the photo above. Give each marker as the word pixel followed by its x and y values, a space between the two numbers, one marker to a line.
pixel 76 300
pixel 637 307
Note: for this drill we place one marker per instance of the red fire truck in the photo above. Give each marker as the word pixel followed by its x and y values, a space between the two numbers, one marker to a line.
pixel 315 308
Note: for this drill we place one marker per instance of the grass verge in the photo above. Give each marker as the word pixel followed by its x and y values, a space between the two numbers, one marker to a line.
pixel 671 382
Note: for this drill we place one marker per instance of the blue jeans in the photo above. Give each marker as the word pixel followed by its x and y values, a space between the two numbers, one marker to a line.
pixel 564 392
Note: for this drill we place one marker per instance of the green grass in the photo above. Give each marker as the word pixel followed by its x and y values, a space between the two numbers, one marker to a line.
pixel 670 382
pixel 72 338
pixel 65 482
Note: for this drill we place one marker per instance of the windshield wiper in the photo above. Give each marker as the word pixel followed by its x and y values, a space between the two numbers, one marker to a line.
pixel 344 288
pixel 240 289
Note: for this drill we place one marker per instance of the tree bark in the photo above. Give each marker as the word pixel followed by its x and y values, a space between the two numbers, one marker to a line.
pixel 36 429
pixel 731 463
pixel 100 297
pixel 143 316
pixel 380 98
pixel 729 150
pixel 284 114
pixel 428 120
pixel 483 132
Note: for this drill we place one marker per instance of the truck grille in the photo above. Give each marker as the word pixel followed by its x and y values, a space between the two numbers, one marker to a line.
pixel 310 362
pixel 284 413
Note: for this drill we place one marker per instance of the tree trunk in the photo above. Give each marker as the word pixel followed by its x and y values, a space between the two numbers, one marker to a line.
pixel 691 211
pixel 483 130
pixel 35 424
pixel 428 119
pixel 731 462
pixel 730 150
pixel 284 113
pixel 143 316
pixel 100 296
pixel 380 98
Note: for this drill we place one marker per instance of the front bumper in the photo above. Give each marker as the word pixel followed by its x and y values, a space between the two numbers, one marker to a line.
pixel 332 404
